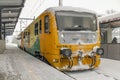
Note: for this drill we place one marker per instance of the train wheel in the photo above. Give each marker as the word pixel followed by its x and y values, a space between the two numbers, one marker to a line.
pixel 44 60
pixel 37 54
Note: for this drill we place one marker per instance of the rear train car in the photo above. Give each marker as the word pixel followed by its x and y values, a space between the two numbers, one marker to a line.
pixel 67 38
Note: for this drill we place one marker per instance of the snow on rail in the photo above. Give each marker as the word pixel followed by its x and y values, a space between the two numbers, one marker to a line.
pixel 89 75
pixel 108 70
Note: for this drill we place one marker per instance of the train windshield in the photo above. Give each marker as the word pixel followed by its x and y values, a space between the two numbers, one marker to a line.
pixel 74 21
pixel 76 28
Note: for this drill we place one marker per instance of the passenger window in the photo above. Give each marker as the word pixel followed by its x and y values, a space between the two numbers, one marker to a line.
pixel 28 37
pixel 40 24
pixel 36 29
pixel 46 24
pixel 24 35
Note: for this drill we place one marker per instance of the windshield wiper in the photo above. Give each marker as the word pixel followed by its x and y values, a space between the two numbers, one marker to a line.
pixel 76 29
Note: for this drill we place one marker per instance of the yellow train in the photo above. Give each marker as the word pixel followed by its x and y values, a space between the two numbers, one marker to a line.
pixel 67 38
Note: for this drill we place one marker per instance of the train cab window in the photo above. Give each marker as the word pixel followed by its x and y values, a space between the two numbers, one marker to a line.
pixel 46 24
pixel 36 29
pixel 40 24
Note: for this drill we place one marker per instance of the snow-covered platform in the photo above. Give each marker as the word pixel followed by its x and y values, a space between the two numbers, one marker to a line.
pixel 16 64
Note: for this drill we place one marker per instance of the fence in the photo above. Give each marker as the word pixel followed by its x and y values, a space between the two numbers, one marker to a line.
pixel 111 51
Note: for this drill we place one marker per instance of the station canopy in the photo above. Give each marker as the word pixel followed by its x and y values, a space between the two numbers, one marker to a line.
pixel 112 19
pixel 10 11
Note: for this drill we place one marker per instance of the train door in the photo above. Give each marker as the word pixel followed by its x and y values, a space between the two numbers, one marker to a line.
pixel 29 38
pixel 40 34
pixel 22 40
pixel 46 29
pixel 47 35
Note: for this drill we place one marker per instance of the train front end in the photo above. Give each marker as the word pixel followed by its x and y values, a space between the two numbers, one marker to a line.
pixel 78 40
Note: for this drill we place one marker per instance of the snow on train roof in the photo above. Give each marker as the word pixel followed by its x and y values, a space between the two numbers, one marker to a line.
pixel 53 9
pixel 109 17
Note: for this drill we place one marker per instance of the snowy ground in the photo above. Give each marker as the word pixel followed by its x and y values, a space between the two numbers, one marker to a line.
pixel 18 65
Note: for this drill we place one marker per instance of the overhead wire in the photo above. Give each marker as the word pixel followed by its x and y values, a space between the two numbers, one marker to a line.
pixel 32 8
pixel 35 10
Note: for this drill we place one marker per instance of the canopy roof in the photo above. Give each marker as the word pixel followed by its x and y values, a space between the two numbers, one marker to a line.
pixel 10 11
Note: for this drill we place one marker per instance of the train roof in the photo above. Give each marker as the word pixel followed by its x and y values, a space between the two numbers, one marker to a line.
pixel 53 9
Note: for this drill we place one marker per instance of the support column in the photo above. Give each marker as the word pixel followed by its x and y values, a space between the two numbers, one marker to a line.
pixel 4 31
pixel 109 34
pixel 0 23
pixel 60 2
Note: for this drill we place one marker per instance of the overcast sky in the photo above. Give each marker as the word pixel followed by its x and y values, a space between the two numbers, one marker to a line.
pixel 35 7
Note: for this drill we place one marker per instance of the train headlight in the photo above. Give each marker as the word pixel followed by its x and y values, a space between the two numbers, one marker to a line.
pixel 62 36
pixel 100 51
pixel 66 52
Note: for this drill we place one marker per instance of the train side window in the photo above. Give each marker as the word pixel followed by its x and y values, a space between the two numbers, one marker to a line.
pixel 40 24
pixel 46 24
pixel 24 35
pixel 36 29
pixel 28 37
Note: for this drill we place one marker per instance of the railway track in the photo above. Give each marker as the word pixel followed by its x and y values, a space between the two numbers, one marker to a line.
pixel 93 74
pixel 89 75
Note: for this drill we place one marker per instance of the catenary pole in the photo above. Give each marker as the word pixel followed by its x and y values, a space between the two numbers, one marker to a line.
pixel 60 2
